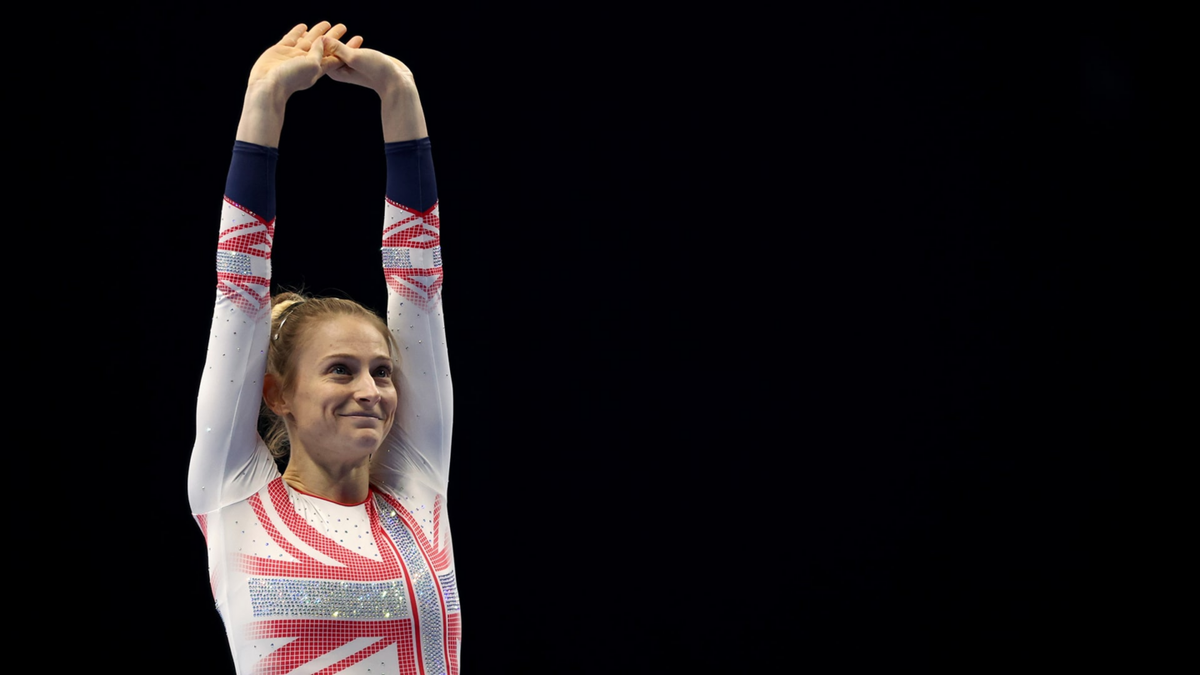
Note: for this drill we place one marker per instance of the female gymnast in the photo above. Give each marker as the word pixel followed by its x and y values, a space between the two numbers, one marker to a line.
pixel 343 563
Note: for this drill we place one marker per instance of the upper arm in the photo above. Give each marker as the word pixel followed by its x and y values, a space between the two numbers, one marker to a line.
pixel 229 461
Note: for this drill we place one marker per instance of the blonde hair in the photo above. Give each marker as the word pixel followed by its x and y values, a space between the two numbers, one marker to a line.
pixel 293 316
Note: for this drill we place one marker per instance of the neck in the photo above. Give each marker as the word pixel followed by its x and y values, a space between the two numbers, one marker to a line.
pixel 345 484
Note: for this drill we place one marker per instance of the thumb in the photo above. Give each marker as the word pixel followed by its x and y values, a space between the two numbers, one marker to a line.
pixel 337 55
pixel 317 53
pixel 335 49
pixel 317 50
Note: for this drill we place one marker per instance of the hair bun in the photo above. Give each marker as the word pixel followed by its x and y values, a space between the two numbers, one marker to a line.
pixel 281 302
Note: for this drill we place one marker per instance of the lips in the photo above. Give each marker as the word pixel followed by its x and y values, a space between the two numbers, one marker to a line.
pixel 374 417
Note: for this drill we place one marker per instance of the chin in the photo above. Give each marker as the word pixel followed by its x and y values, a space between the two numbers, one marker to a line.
pixel 368 443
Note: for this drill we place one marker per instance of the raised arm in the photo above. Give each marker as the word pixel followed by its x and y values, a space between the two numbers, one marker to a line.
pixel 288 66
pixel 418 448
pixel 229 460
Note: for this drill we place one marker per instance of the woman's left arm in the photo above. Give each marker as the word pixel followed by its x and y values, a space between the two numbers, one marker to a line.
pixel 418 447
pixel 419 444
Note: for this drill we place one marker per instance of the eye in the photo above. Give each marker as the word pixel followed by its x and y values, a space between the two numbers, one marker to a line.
pixel 383 371
pixel 339 369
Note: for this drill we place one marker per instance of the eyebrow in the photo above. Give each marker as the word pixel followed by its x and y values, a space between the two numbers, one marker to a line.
pixel 352 357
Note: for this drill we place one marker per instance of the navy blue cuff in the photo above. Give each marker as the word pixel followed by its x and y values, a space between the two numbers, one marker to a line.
pixel 251 179
pixel 410 179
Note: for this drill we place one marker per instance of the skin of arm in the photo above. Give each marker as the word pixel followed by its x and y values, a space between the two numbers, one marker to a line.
pixel 400 105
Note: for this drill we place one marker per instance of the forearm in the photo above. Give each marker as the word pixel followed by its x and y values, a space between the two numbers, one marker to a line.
pixel 262 115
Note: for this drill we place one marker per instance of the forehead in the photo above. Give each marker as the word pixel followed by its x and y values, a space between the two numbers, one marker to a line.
pixel 345 335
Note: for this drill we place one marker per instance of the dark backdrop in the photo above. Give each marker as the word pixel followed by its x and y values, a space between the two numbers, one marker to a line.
pixel 834 341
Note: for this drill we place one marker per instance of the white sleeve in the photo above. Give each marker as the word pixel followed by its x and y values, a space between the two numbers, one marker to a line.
pixel 229 459
pixel 418 447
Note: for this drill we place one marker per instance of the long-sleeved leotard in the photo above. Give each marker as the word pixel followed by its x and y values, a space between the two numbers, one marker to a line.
pixel 303 584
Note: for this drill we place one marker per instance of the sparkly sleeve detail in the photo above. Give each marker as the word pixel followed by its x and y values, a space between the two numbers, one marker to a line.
pixel 419 445
pixel 229 460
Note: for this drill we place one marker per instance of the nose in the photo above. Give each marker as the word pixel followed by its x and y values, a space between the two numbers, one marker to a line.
pixel 367 392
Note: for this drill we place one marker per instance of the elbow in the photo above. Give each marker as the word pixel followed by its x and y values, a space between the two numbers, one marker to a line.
pixel 201 489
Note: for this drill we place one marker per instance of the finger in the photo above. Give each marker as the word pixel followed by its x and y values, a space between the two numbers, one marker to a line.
pixel 355 42
pixel 318 30
pixel 293 35
pixel 337 31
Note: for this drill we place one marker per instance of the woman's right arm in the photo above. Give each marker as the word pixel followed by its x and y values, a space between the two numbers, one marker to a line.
pixel 229 460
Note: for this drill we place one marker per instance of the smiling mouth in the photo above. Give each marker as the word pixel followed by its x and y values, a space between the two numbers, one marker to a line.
pixel 374 417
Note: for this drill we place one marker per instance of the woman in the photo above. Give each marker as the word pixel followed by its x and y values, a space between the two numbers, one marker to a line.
pixel 343 562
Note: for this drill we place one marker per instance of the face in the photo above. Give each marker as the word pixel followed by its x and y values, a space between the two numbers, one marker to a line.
pixel 342 401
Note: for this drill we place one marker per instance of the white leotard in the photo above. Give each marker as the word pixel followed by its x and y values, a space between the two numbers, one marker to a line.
pixel 303 584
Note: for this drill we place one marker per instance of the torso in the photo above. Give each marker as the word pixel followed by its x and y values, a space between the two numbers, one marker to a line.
pixel 308 585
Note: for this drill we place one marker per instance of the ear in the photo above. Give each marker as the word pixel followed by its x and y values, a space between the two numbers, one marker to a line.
pixel 273 395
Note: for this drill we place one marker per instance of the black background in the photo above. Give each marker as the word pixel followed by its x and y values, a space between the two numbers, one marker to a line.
pixel 834 340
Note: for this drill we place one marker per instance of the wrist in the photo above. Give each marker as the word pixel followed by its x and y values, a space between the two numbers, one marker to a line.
pixel 398 83
pixel 262 114
pixel 266 95
pixel 403 118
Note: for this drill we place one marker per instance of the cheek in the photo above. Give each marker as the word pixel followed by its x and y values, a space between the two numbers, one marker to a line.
pixel 316 404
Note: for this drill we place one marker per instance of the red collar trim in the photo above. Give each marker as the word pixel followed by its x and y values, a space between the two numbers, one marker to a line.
pixel 370 491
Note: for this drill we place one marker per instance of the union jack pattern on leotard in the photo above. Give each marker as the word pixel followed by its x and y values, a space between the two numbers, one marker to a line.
pixel 305 585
